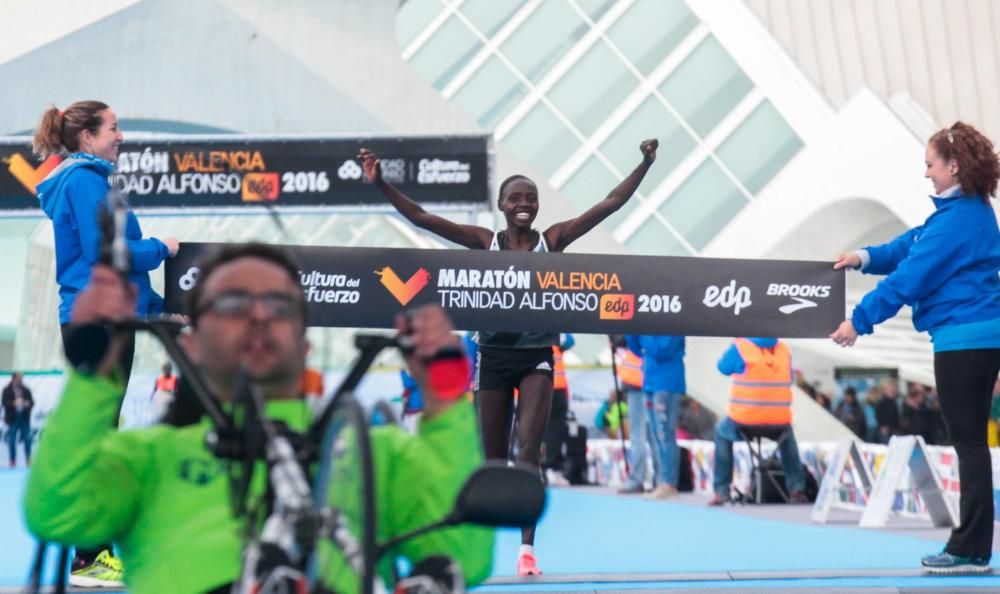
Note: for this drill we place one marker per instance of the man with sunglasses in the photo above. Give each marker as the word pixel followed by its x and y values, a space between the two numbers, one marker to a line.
pixel 161 496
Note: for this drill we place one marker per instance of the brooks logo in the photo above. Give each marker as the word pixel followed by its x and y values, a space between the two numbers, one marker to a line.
pixel 794 307
pixel 796 291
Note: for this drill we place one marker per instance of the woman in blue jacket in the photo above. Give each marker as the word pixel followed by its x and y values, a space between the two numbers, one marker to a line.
pixel 71 195
pixel 946 270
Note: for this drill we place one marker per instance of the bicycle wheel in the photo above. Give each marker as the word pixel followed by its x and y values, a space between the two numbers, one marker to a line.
pixel 344 493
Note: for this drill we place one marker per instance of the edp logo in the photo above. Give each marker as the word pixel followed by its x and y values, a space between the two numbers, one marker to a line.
pixel 728 296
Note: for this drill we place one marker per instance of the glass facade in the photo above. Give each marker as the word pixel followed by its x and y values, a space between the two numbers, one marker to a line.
pixel 541 139
pixel 706 86
pixel 573 86
pixel 644 45
pixel 760 147
pixel 543 38
pixel 445 52
pixel 703 204
pixel 490 92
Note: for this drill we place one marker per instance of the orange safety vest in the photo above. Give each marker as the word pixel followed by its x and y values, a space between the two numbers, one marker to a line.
pixel 762 394
pixel 558 370
pixel 629 366
pixel 166 384
pixel 311 383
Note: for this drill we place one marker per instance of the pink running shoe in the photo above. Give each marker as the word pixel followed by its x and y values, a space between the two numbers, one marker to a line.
pixel 527 565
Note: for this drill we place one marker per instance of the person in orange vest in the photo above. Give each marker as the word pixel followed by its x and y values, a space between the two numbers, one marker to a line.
pixel 311 385
pixel 163 390
pixel 167 381
pixel 761 394
pixel 628 365
pixel 555 429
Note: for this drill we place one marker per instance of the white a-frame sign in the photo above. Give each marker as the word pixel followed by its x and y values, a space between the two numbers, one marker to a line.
pixel 847 454
pixel 907 451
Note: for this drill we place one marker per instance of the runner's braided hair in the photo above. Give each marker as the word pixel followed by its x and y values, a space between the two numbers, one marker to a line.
pixel 507 182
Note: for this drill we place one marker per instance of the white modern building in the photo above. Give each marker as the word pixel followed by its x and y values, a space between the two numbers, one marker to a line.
pixel 788 128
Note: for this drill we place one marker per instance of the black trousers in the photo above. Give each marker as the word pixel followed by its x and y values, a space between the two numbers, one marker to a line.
pixel 87 556
pixel 555 430
pixel 965 388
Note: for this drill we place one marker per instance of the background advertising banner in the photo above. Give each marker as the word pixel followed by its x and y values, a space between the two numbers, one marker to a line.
pixel 234 171
pixel 587 293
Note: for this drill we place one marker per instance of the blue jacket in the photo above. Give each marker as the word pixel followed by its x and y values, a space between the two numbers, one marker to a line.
pixel 732 361
pixel 662 362
pixel 414 401
pixel 71 196
pixel 946 269
pixel 566 341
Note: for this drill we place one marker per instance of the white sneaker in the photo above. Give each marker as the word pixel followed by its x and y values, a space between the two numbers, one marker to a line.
pixel 555 478
pixel 662 492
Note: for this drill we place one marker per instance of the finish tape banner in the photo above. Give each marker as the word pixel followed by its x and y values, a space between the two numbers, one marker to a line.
pixel 534 292
pixel 234 171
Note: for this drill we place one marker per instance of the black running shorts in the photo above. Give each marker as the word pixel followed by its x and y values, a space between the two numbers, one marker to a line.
pixel 503 369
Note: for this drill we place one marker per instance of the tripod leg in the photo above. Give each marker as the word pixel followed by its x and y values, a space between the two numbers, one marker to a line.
pixel 61 570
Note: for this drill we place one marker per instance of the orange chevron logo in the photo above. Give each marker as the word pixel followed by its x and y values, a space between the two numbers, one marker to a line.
pixel 30 176
pixel 403 292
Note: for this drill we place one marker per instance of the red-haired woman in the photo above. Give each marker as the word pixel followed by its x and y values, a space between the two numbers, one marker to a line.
pixel 946 269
